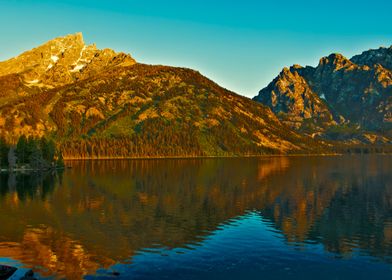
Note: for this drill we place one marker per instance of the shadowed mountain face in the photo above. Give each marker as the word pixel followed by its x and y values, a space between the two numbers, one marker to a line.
pixel 340 99
pixel 98 103
pixel 104 212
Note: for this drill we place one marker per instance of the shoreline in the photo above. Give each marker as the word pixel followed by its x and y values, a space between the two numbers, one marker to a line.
pixel 221 157
pixel 193 157
pixel 21 170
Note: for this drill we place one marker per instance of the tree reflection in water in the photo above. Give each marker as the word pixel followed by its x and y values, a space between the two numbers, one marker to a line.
pixel 103 212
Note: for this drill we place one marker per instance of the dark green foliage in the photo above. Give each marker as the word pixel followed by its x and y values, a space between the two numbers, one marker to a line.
pixel 363 149
pixel 36 160
pixel 48 149
pixel 342 132
pixel 30 153
pixel 3 153
pixel 22 150
pixel 60 161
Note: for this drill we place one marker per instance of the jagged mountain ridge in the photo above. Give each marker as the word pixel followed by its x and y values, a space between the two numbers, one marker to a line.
pixel 62 61
pixel 341 99
pixel 103 104
pixel 382 56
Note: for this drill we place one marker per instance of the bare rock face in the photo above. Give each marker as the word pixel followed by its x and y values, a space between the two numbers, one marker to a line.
pixel 62 61
pixel 343 99
pixel 382 56
pixel 294 101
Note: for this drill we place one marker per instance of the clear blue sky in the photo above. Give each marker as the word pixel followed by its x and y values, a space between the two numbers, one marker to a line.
pixel 242 45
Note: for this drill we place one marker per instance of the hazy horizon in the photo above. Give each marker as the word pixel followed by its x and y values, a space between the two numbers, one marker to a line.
pixel 241 46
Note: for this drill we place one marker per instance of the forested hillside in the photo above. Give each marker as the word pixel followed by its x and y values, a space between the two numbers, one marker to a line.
pixel 100 104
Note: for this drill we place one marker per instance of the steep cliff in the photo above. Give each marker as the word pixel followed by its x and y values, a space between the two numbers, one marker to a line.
pixel 340 99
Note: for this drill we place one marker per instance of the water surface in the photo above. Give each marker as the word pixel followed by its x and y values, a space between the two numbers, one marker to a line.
pixel 260 218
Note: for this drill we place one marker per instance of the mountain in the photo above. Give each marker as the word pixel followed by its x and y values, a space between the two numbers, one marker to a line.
pixel 62 61
pixel 100 104
pixel 340 99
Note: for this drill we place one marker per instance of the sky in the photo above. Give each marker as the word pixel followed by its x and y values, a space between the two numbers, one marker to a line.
pixel 242 45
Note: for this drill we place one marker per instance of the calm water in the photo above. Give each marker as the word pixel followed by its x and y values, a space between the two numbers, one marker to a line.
pixel 269 218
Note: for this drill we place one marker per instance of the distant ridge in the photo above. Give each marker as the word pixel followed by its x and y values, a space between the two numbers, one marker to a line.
pixel 341 99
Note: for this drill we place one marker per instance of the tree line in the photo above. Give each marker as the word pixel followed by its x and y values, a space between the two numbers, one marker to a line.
pixel 30 154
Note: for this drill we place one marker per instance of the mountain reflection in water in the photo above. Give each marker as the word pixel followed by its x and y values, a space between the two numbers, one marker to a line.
pixel 103 213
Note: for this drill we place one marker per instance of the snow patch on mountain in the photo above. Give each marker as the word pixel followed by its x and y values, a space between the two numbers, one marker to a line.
pixel 54 58
pixel 78 67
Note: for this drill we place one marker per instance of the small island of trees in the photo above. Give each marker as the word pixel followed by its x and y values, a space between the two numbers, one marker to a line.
pixel 30 154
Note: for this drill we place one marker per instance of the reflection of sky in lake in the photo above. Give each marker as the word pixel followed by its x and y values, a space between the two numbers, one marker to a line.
pixel 247 247
pixel 10 262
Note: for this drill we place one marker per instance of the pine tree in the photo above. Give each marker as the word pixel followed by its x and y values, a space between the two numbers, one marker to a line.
pixel 3 153
pixel 20 151
pixel 31 145
pixel 36 160
pixel 60 161
pixel 48 150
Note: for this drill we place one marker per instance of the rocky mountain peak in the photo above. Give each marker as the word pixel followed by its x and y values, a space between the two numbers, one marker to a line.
pixel 67 42
pixel 291 73
pixel 292 98
pixel 61 61
pixel 343 98
pixel 336 61
pixel 286 72
pixel 297 66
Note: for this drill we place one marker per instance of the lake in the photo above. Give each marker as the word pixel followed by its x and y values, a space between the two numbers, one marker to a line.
pixel 239 218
